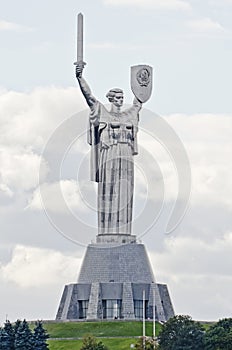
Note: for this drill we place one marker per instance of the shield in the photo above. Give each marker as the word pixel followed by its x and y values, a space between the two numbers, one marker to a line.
pixel 141 82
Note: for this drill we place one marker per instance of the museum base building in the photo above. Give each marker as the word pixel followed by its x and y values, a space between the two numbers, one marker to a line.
pixel 115 282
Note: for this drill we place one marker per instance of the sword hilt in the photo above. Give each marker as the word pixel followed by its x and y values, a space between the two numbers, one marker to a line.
pixel 76 63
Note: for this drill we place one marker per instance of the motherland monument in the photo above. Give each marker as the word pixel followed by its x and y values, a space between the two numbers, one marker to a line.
pixel 116 280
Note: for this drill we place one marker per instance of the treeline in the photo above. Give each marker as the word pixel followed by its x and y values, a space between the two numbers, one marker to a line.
pixel 19 336
pixel 181 333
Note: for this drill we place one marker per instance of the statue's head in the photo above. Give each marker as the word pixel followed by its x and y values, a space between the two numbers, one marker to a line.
pixel 115 96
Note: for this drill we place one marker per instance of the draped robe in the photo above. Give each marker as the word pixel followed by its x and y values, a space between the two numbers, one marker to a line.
pixel 113 140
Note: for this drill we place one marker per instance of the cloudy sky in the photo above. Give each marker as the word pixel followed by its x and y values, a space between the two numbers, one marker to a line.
pixel 42 141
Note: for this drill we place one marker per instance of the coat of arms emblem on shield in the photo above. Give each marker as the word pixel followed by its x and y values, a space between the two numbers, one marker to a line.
pixel 141 82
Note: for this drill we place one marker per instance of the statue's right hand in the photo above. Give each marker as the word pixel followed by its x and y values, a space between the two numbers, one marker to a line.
pixel 79 69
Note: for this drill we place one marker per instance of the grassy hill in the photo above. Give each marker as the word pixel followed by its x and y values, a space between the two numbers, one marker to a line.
pixel 117 335
pixel 114 334
pixel 113 344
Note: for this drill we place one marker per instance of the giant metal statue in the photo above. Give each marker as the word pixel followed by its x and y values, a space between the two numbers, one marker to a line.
pixel 112 135
pixel 116 279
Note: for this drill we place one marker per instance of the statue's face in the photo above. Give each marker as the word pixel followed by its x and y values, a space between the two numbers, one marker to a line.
pixel 118 99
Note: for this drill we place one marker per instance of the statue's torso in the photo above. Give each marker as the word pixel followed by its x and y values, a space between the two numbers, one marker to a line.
pixel 118 127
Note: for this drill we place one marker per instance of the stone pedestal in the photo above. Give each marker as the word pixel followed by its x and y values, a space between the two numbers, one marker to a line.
pixel 111 283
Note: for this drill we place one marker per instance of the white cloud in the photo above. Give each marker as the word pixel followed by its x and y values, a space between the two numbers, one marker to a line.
pixel 58 197
pixel 26 122
pixel 19 169
pixel 206 25
pixel 5 191
pixel 186 255
pixel 36 267
pixel 152 4
pixel 157 166
pixel 10 26
pixel 207 139
pixel 198 274
pixel 28 119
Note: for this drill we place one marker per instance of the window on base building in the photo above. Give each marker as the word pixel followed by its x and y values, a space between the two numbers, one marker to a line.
pixel 138 307
pixel 112 308
pixel 83 307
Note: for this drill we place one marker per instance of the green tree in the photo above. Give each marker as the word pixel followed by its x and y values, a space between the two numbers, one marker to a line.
pixel 23 337
pixel 8 328
pixel 181 333
pixel 40 337
pixel 0 338
pixel 219 336
pixel 5 341
pixel 91 343
pixel 16 326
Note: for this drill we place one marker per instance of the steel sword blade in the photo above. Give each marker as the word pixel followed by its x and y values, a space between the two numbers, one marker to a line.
pixel 80 39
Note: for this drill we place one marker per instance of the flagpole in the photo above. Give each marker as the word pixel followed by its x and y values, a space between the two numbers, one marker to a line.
pixel 144 319
pixel 154 314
